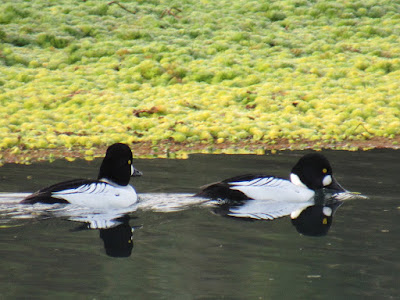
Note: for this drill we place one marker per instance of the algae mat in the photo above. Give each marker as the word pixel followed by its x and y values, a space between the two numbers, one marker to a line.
pixel 197 76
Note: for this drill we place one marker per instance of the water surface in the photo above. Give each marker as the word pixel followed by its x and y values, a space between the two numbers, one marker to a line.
pixel 183 250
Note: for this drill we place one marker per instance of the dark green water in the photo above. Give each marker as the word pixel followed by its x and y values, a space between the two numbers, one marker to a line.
pixel 195 254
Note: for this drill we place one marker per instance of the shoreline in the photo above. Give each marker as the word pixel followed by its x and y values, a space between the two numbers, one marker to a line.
pixel 181 150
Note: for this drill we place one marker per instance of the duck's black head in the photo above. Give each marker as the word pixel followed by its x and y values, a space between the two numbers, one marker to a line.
pixel 117 165
pixel 315 172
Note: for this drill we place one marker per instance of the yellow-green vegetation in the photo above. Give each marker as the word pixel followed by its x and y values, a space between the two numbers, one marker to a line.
pixel 85 74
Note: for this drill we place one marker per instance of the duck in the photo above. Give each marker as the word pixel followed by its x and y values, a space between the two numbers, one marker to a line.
pixel 312 172
pixel 111 189
pixel 260 196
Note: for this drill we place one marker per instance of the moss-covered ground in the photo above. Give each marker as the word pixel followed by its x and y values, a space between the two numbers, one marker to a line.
pixel 173 77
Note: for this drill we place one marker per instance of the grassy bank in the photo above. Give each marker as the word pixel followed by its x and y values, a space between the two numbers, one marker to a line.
pixel 80 75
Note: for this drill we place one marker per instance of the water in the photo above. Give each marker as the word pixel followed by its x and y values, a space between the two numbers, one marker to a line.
pixel 183 250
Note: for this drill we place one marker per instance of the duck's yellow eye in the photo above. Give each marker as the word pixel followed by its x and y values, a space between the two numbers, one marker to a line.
pixel 324 221
pixel 129 162
pixel 324 170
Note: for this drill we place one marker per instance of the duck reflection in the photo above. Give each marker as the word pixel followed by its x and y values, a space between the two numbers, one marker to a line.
pixel 117 234
pixel 314 220
pixel 114 228
pixel 313 217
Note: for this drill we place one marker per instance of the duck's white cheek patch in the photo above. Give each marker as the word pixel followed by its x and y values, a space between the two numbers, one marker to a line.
pixel 327 211
pixel 327 180
pixel 132 170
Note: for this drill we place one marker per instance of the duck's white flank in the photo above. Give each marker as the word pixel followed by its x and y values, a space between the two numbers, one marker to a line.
pixel 104 194
pixel 272 188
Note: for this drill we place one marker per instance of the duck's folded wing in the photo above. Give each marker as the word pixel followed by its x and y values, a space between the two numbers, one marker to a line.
pixel 87 192
pixel 223 189
pixel 45 195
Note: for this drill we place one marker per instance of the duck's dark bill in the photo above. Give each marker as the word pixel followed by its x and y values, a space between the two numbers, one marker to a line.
pixel 335 186
pixel 136 173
